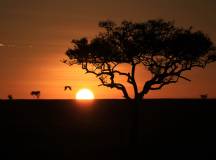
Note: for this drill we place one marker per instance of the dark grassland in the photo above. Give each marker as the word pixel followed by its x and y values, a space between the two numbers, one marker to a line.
pixel 68 129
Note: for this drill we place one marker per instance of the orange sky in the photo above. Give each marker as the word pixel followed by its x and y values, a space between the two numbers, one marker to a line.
pixel 34 36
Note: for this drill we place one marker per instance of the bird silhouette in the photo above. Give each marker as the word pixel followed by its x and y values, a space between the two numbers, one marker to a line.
pixel 64 61
pixel 67 87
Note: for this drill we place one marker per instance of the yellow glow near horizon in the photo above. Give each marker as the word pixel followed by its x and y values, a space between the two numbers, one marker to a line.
pixel 84 94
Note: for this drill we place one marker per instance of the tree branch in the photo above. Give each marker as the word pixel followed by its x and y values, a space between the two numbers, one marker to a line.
pixel 110 73
pixel 115 85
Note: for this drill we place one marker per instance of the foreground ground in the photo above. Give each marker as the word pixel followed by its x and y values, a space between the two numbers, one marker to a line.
pixel 67 129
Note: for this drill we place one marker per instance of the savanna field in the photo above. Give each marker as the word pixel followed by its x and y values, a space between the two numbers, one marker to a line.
pixel 100 129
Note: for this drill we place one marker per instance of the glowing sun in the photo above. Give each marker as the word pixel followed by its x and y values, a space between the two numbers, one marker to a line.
pixel 84 94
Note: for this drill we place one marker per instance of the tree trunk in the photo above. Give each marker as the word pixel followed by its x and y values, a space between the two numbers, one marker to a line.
pixel 134 125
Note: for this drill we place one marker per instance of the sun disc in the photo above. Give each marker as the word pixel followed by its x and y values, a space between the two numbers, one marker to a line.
pixel 85 94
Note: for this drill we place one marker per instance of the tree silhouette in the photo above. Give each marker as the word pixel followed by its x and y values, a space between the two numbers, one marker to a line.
pixel 164 50
pixel 161 48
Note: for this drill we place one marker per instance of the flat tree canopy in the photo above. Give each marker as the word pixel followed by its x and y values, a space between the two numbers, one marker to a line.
pixel 165 50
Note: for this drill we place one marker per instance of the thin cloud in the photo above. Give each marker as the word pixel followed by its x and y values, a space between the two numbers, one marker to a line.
pixel 2 45
pixel 7 45
pixel 15 45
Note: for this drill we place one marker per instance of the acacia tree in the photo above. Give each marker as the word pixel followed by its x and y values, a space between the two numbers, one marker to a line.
pixel 162 48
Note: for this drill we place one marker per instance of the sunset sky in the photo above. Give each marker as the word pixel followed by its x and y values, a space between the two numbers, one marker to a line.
pixel 34 35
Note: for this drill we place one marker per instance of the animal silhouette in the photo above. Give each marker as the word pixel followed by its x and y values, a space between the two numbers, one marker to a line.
pixel 36 94
pixel 204 96
pixel 67 87
pixel 10 97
